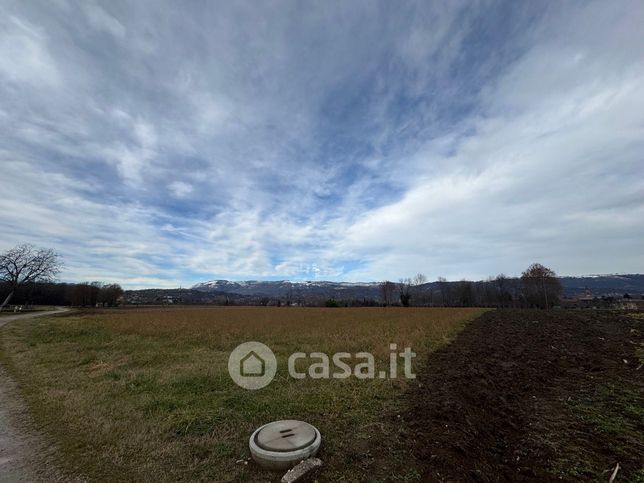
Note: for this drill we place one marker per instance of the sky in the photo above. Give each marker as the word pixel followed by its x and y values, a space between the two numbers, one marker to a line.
pixel 161 144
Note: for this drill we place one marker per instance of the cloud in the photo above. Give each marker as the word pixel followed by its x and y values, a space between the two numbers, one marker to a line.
pixel 101 20
pixel 24 56
pixel 357 141
pixel 180 189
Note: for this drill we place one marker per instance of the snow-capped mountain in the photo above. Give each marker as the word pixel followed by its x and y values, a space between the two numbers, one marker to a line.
pixel 597 284
pixel 286 288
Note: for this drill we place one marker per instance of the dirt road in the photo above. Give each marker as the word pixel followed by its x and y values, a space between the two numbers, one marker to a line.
pixel 29 315
pixel 25 455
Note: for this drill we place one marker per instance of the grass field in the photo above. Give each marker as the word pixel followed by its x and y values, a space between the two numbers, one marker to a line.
pixel 144 394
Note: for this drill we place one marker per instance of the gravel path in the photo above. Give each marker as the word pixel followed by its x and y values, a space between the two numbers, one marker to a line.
pixel 25 455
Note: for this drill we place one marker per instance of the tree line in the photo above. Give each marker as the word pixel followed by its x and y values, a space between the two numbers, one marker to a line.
pixel 85 294
pixel 538 287
pixel 27 278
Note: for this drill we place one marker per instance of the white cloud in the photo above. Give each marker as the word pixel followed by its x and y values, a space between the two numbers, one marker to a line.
pixel 342 140
pixel 541 178
pixel 180 189
pixel 24 56
pixel 102 20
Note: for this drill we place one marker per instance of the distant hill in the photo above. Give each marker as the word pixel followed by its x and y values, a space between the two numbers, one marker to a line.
pixel 292 290
pixel 255 292
pixel 604 284
pixel 597 284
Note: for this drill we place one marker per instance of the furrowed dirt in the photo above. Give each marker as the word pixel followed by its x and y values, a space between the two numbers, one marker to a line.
pixel 532 395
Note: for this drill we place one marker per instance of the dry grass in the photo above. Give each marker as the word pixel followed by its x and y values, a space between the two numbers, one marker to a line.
pixel 145 395
pixel 306 329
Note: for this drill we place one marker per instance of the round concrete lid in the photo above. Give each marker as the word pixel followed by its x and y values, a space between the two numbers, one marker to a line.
pixel 287 435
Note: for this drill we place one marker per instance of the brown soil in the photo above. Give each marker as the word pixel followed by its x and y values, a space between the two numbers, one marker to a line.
pixel 532 395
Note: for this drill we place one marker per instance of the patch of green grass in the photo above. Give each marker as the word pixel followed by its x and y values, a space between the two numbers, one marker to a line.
pixel 141 396
pixel 609 416
pixel 639 476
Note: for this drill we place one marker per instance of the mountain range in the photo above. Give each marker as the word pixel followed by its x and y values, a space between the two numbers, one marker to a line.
pixel 594 284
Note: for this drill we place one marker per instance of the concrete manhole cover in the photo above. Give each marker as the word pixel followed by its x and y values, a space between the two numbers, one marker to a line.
pixel 286 435
pixel 281 445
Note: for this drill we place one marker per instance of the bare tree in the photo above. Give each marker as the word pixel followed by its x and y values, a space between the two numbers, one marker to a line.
pixel 465 293
pixel 503 288
pixel 289 295
pixel 404 288
pixel 487 293
pixel 26 264
pixel 387 290
pixel 85 294
pixel 541 286
pixel 419 279
pixel 109 294
pixel 445 291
